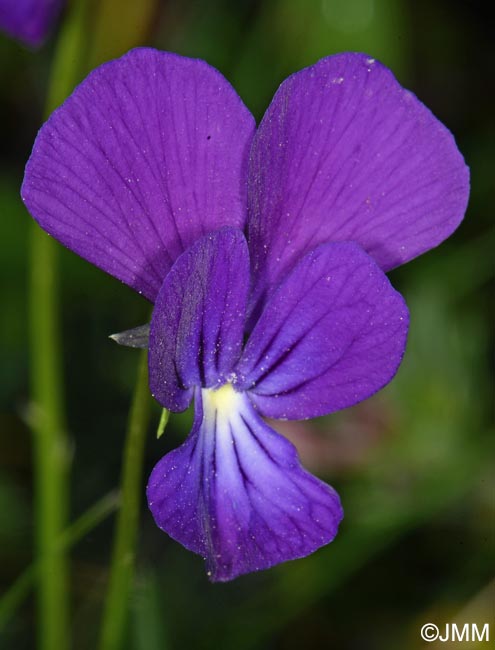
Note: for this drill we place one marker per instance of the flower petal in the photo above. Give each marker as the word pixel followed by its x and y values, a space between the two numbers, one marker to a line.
pixel 197 324
pixel 332 334
pixel 345 153
pixel 235 492
pixel 28 20
pixel 147 155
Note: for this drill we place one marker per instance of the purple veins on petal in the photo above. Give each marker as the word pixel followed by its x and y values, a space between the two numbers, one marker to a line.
pixel 147 155
pixel 345 153
pixel 236 493
pixel 331 335
pixel 198 319
pixel 152 171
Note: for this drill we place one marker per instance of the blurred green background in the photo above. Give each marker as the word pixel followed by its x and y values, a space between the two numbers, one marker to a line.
pixel 414 465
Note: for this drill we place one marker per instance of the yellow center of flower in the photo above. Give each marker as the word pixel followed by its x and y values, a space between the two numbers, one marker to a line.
pixel 223 400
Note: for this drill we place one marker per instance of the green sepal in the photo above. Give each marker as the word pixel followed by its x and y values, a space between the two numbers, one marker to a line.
pixel 163 422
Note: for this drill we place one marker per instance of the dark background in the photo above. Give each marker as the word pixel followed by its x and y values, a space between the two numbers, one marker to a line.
pixel 413 465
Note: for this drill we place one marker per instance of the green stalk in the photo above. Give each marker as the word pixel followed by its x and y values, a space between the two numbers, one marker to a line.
pixel 51 448
pixel 89 520
pixel 51 452
pixel 122 566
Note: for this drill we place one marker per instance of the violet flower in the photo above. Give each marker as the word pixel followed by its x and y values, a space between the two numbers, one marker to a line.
pixel 28 20
pixel 264 252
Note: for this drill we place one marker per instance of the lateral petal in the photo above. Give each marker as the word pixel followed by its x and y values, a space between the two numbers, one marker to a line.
pixel 147 155
pixel 198 320
pixel 345 153
pixel 236 493
pixel 331 335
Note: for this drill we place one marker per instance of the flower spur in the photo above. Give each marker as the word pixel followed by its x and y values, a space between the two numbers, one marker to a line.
pixel 264 254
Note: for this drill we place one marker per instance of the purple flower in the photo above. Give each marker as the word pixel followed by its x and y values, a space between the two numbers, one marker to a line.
pixel 28 20
pixel 264 252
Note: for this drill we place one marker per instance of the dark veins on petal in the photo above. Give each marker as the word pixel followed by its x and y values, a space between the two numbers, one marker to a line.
pixel 235 492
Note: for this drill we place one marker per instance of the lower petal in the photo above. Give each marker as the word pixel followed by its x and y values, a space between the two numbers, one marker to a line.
pixel 236 493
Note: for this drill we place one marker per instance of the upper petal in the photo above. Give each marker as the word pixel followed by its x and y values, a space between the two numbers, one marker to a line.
pixel 147 155
pixel 331 335
pixel 198 319
pixel 345 153
pixel 236 493
pixel 28 20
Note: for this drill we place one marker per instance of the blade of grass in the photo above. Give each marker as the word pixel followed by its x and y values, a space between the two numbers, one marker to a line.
pixel 87 522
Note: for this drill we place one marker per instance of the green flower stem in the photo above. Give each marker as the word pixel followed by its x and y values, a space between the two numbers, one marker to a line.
pixel 51 448
pixel 122 567
pixel 19 591
pixel 51 453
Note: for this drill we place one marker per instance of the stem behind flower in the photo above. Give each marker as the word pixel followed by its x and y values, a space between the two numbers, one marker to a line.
pixel 122 568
